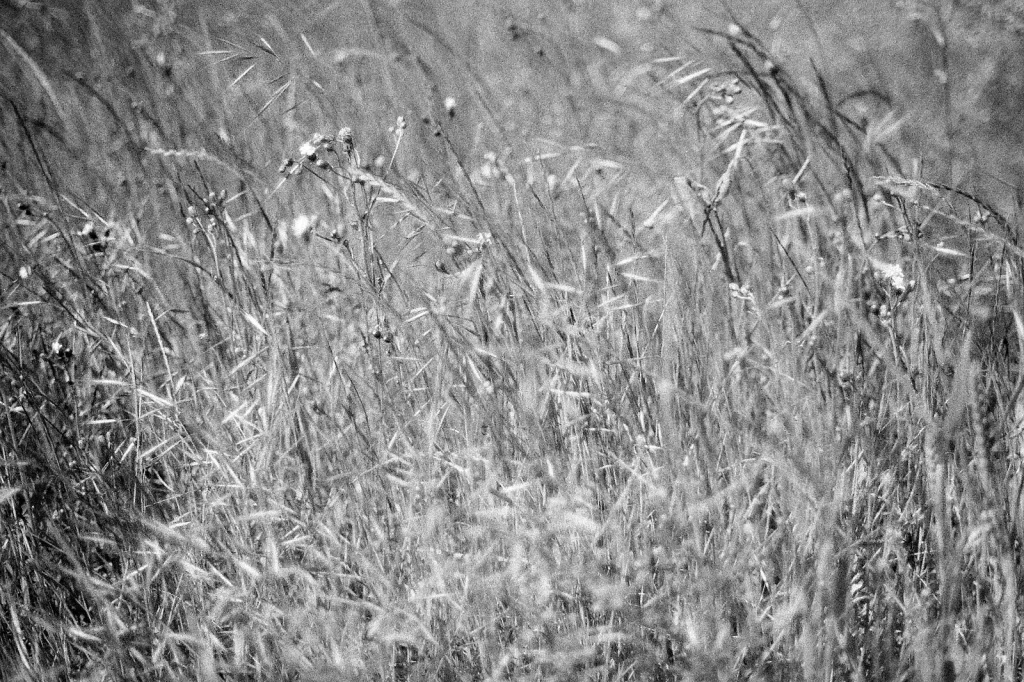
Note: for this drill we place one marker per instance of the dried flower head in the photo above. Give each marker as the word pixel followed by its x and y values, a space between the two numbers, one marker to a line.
pixel 302 227
pixel 308 150
pixel 345 138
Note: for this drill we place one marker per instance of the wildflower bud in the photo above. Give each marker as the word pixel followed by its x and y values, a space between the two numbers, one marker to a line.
pixel 285 165
pixel 449 106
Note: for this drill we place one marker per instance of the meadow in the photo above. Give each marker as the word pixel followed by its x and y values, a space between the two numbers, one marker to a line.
pixel 398 341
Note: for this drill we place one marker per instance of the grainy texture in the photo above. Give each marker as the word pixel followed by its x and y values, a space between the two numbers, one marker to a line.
pixel 396 341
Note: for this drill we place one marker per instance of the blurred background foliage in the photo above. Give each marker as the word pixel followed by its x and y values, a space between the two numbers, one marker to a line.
pixel 123 77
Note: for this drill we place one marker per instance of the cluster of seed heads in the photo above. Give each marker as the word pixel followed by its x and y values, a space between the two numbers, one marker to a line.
pixel 210 206
pixel 382 332
pixel 400 125
pixel 494 168
pixel 58 358
pixel 723 96
pixel 727 91
pixel 30 209
pixel 95 239
pixel 213 202
pixel 314 150
pixel 742 292
pixel 885 291
pixel 58 352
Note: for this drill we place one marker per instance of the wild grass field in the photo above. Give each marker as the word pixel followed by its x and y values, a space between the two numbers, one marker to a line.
pixel 457 341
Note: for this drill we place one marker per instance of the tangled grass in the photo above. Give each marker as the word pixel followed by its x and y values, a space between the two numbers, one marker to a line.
pixel 409 412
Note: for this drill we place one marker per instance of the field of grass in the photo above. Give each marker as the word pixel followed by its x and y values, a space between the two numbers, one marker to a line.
pixel 532 341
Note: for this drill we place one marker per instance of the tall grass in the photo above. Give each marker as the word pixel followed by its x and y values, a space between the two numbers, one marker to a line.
pixel 731 395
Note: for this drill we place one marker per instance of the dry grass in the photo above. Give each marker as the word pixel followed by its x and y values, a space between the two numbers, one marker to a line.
pixel 734 395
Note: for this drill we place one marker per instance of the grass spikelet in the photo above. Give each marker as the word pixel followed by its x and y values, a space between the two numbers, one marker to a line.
pixel 40 76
